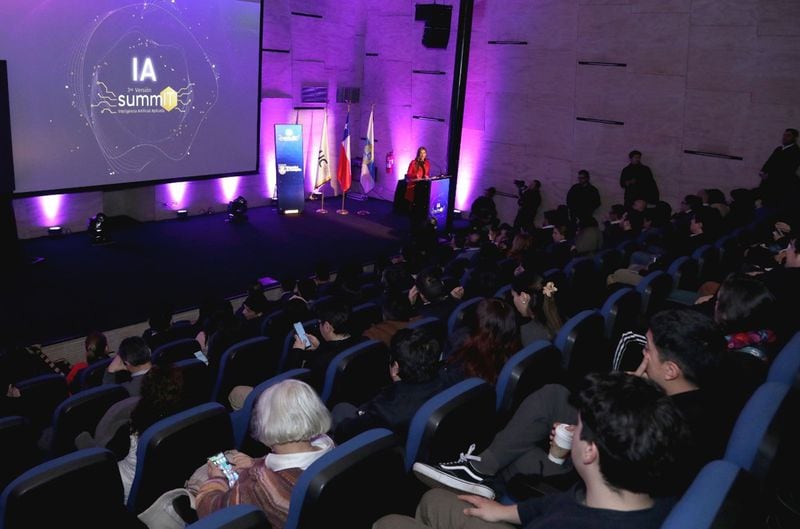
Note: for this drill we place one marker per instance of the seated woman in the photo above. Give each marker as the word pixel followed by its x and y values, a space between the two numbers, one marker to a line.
pixel 292 421
pixel 536 303
pixel 491 337
pixel 96 346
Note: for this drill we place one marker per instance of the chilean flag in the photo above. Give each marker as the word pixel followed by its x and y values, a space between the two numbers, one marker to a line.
pixel 343 175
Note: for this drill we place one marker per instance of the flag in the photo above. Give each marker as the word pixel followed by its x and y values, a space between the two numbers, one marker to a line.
pixel 323 166
pixel 368 160
pixel 343 175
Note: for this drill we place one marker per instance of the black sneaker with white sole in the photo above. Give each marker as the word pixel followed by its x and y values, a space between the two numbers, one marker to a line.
pixel 459 475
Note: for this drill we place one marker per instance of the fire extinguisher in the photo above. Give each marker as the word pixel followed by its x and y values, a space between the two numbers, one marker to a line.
pixel 389 162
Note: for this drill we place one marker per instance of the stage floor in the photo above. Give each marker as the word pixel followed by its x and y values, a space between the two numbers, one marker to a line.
pixel 79 287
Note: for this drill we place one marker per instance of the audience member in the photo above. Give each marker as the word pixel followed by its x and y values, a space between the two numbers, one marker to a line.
pixel 536 303
pixel 414 371
pixel 637 181
pixel 96 347
pixel 397 313
pixel 627 437
pixel 130 364
pixel 290 419
pixel 779 184
pixel 582 198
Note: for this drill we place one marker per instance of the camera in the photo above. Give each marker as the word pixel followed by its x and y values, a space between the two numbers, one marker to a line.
pixel 520 184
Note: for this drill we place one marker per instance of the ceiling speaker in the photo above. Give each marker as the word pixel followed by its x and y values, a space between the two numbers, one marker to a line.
pixel 437 24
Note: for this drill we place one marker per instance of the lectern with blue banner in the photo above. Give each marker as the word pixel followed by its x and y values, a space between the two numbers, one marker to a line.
pixel 431 199
pixel 290 181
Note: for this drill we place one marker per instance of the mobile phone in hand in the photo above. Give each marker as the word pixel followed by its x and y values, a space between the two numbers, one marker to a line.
pixel 221 462
pixel 301 333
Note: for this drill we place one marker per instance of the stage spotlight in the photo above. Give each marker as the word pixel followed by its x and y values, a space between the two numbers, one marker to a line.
pixel 55 231
pixel 182 213
pixel 98 229
pixel 237 210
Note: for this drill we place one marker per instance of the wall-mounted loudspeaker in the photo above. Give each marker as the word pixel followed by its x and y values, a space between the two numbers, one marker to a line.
pixel 437 24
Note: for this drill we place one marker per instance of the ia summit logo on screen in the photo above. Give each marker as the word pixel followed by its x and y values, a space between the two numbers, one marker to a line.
pixel 142 99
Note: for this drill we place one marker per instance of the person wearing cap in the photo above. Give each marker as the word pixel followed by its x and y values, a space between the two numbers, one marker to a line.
pixel 483 212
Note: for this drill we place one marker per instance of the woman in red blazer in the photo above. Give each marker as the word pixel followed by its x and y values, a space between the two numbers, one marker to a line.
pixel 418 169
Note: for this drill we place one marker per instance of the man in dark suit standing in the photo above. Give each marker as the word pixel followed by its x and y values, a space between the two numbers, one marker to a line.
pixel 637 181
pixel 583 198
pixel 779 184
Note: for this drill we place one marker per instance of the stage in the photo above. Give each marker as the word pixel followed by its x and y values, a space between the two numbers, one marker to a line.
pixel 78 287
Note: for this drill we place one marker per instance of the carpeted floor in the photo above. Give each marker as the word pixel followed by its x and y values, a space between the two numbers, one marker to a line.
pixel 79 287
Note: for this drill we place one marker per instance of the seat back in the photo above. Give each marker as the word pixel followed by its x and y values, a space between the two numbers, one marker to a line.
pixel 92 376
pixel 81 412
pixel 620 313
pixel 457 317
pixel 526 371
pixel 585 283
pixel 240 419
pixel 439 429
pixel 176 350
pixel 503 292
pixel 246 363
pixel 583 345
pixel 16 437
pixel 707 262
pixel 786 366
pixel 683 272
pixel 54 494
pixel 196 381
pixel 654 288
pixel 235 517
pixel 39 396
pixel 766 431
pixel 352 485
pixel 436 327
pixel 364 316
pixel 173 448
pixel 722 495
pixel 606 262
pixel 356 374
pixel 310 326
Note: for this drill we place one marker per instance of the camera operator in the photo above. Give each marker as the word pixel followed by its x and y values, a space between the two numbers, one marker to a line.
pixel 529 199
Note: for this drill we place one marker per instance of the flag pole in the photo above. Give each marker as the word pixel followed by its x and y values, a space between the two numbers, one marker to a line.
pixel 343 211
pixel 322 209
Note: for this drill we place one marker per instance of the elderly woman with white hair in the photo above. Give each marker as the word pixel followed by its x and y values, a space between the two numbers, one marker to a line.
pixel 292 421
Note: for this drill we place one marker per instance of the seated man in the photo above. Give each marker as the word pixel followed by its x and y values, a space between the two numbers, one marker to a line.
pixel 132 362
pixel 627 436
pixel 334 330
pixel 414 370
pixel 683 349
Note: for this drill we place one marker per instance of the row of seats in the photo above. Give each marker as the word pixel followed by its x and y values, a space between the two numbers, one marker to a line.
pixel 368 475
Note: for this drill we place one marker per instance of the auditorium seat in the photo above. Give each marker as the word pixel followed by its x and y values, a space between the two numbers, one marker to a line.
pixel 364 316
pixel 786 366
pixel 311 327
pixel 707 257
pixel 81 412
pixel 246 363
pixel 456 318
pixel 17 438
pixel 196 381
pixel 82 489
pixel 39 397
pixel 241 419
pixel 448 422
pixel 176 350
pixel 235 517
pixel 683 271
pixel 606 262
pixel 504 293
pixel 583 345
pixel 621 313
pixel 585 283
pixel 356 374
pixel 525 372
pixel 766 433
pixel 92 376
pixel 436 327
pixel 654 288
pixel 721 496
pixel 170 450
pixel 353 485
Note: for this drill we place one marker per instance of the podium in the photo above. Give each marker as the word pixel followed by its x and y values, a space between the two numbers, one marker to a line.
pixel 431 199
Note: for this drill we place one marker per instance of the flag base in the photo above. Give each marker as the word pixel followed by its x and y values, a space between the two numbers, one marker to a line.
pixel 322 211
pixel 363 212
pixel 342 212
